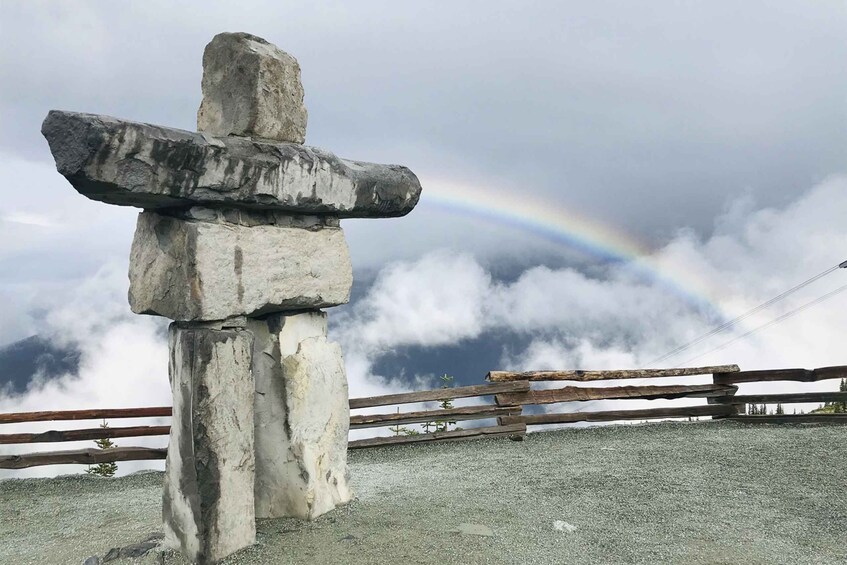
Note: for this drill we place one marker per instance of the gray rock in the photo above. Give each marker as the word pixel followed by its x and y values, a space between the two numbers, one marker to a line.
pixel 207 505
pixel 138 549
pixel 132 164
pixel 155 536
pixel 302 417
pixel 93 560
pixel 251 88
pixel 193 270
pixel 112 554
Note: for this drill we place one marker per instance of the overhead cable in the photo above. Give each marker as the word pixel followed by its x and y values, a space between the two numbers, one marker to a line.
pixel 749 313
pixel 775 321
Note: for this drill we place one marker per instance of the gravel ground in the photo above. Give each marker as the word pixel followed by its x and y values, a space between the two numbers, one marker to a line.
pixel 689 493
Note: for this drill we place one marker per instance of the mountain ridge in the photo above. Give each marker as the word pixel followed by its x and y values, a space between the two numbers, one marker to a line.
pixel 22 361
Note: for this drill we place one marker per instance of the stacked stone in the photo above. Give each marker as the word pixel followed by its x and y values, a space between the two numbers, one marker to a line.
pixel 240 244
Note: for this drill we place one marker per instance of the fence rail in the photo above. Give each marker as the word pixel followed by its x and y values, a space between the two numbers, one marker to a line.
pixel 577 394
pixel 504 376
pixel 799 375
pixel 82 457
pixel 451 414
pixel 85 434
pixel 619 415
pixel 438 394
pixel 513 399
pixel 95 414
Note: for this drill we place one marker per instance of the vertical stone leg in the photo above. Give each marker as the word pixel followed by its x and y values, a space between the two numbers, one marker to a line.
pixel 302 417
pixel 207 506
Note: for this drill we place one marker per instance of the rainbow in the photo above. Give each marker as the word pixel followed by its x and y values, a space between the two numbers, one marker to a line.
pixel 564 226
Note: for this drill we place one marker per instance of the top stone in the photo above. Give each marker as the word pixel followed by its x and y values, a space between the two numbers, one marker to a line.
pixel 251 88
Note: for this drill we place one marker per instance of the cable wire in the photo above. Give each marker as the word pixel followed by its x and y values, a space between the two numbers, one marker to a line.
pixel 775 321
pixel 749 313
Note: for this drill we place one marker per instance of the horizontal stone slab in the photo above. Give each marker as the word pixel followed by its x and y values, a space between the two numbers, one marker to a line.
pixel 192 270
pixel 133 164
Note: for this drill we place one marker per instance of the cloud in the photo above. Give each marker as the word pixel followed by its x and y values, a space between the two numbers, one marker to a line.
pixel 123 364
pixel 29 219
pixel 642 120
pixel 49 233
pixel 432 301
pixel 619 319
pixel 647 120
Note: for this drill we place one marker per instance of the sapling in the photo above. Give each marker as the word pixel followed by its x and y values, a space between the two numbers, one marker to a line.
pixel 103 469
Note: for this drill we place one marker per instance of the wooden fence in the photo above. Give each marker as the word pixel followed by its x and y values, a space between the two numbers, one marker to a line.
pixel 722 400
pixel 512 395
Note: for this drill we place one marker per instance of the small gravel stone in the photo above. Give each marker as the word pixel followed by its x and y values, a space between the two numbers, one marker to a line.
pixel 475 530
pixel 562 526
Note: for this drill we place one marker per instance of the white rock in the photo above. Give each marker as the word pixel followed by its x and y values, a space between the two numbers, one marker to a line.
pixel 251 88
pixel 207 506
pixel 562 526
pixel 193 270
pixel 302 418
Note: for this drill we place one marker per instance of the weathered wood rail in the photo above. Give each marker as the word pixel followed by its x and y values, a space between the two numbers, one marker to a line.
pixel 85 434
pixel 505 376
pixel 97 414
pixel 89 456
pixel 511 393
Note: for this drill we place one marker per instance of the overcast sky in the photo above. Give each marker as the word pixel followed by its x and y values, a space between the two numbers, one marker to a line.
pixel 712 133
pixel 643 120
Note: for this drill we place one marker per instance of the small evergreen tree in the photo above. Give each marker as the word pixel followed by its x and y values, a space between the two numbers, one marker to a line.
pixel 834 407
pixel 443 425
pixel 779 410
pixel 435 425
pixel 103 469
pixel 447 404
pixel 758 410
pixel 841 407
pixel 402 430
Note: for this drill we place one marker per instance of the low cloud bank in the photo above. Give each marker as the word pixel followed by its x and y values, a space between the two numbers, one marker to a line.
pixel 123 364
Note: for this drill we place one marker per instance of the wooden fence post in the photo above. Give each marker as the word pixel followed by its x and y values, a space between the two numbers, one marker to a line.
pixel 514 403
pixel 736 408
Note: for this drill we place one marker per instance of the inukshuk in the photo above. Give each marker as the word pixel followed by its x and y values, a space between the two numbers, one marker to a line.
pixel 239 243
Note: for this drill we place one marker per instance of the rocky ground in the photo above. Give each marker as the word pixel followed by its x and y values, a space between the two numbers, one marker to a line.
pixel 692 493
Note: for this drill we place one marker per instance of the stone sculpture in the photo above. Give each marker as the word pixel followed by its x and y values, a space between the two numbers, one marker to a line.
pixel 240 244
